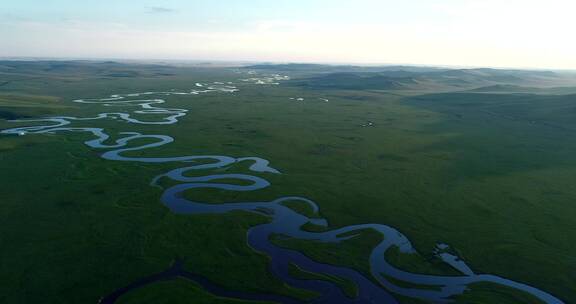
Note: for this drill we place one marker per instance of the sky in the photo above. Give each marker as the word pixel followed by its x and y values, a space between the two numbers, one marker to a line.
pixel 491 33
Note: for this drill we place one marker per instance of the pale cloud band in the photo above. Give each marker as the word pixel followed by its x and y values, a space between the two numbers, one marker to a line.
pixel 473 33
pixel 160 10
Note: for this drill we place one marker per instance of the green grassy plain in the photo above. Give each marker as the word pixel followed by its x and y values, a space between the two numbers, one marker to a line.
pixel 492 175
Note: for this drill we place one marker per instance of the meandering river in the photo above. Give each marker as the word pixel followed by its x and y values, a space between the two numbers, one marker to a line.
pixel 381 288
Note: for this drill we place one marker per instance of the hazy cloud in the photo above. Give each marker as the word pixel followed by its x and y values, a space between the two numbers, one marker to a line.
pixel 160 10
pixel 496 33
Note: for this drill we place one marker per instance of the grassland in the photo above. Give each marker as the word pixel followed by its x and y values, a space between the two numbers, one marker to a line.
pixel 490 174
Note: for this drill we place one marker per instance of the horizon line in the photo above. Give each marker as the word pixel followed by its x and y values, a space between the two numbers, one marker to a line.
pixel 272 62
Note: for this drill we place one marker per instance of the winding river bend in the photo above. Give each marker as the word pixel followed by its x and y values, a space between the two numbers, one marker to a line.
pixel 381 288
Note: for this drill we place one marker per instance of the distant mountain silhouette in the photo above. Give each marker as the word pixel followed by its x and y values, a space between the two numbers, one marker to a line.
pixel 348 77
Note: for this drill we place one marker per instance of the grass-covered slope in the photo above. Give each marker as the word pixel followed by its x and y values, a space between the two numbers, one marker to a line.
pixel 489 174
pixel 399 78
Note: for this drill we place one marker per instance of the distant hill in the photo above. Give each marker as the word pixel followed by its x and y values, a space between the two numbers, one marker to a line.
pixel 326 68
pixel 399 78
pixel 77 68
pixel 504 88
pixel 353 81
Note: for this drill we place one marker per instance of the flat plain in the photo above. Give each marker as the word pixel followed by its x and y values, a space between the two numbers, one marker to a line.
pixel 481 160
